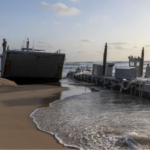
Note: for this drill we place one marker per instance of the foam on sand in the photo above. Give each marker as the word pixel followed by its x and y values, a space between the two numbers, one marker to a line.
pixel 97 120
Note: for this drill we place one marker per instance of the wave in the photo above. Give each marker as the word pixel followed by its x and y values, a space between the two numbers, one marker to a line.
pixel 97 120
pixel 91 63
pixel 75 67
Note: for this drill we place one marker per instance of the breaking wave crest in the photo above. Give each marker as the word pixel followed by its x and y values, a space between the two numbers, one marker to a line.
pixel 97 120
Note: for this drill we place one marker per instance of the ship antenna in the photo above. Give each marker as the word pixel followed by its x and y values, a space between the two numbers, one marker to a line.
pixel 27 43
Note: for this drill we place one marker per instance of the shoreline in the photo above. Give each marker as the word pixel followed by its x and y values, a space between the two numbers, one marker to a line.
pixel 17 102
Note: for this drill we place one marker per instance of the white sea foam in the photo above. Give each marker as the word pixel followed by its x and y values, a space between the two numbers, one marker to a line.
pixel 97 120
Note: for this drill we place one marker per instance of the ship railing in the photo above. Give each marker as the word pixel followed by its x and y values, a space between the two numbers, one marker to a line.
pixel 29 50
pixel 33 50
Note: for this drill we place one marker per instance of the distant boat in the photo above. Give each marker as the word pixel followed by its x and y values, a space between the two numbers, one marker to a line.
pixel 32 66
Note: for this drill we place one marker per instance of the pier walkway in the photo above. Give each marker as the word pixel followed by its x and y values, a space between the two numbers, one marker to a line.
pixel 136 87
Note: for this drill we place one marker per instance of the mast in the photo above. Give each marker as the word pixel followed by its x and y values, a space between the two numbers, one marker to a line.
pixel 104 58
pixel 27 43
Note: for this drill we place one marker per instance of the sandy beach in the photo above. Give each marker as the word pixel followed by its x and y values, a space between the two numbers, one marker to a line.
pixel 16 103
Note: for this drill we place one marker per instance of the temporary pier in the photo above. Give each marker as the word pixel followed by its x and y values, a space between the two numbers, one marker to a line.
pixel 126 79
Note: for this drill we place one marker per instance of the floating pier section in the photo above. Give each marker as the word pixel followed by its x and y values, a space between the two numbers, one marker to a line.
pixel 137 87
pixel 126 79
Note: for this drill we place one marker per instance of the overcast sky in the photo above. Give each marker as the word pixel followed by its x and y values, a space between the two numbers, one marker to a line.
pixel 80 28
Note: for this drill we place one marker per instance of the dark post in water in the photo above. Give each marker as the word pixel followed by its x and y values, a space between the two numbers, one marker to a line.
pixel 142 56
pixel 104 59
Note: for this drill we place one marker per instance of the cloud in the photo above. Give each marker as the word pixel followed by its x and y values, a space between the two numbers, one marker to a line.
pixel 119 43
pixel 81 45
pixel 49 23
pixel 49 46
pixel 134 46
pixel 75 0
pixel 46 22
pixel 99 52
pixel 60 9
pixel 40 46
pixel 91 20
pixel 105 18
pixel 63 50
pixel 86 40
pixel 147 45
pixel 56 23
pixel 42 42
pixel 80 51
pixel 119 47
pixel 78 24
pixel 33 25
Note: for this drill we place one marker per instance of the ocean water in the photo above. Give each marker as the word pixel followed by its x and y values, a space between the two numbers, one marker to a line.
pixel 90 117
pixel 71 66
pixel 97 120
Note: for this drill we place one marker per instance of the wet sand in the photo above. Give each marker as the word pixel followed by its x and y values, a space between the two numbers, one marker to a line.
pixel 17 131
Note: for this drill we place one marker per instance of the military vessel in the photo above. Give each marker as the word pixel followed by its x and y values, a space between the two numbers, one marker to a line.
pixel 29 65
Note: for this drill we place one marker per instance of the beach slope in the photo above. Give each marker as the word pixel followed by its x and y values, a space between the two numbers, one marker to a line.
pixel 16 103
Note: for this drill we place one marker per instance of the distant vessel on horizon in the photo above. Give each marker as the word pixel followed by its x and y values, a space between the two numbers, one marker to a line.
pixel 29 65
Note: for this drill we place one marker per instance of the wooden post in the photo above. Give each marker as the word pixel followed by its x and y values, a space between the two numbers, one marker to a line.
pixel 104 58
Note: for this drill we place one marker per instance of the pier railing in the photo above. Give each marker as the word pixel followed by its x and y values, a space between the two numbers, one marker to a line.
pixel 137 87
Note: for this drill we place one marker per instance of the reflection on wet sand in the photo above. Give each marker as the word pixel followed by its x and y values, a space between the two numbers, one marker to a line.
pixel 27 102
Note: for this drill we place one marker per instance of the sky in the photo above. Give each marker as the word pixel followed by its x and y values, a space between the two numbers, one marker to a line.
pixel 80 28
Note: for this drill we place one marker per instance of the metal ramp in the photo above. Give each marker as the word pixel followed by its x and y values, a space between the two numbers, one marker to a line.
pixel 3 60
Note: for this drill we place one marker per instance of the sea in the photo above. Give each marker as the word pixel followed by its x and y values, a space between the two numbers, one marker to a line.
pixel 90 117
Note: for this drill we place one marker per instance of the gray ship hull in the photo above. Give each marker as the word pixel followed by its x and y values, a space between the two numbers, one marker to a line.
pixel 32 67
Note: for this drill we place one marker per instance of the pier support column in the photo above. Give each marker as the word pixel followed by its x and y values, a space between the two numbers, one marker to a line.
pixel 104 59
pixel 142 56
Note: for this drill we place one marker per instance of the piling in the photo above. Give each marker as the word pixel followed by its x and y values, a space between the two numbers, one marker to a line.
pixel 142 56
pixel 104 58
